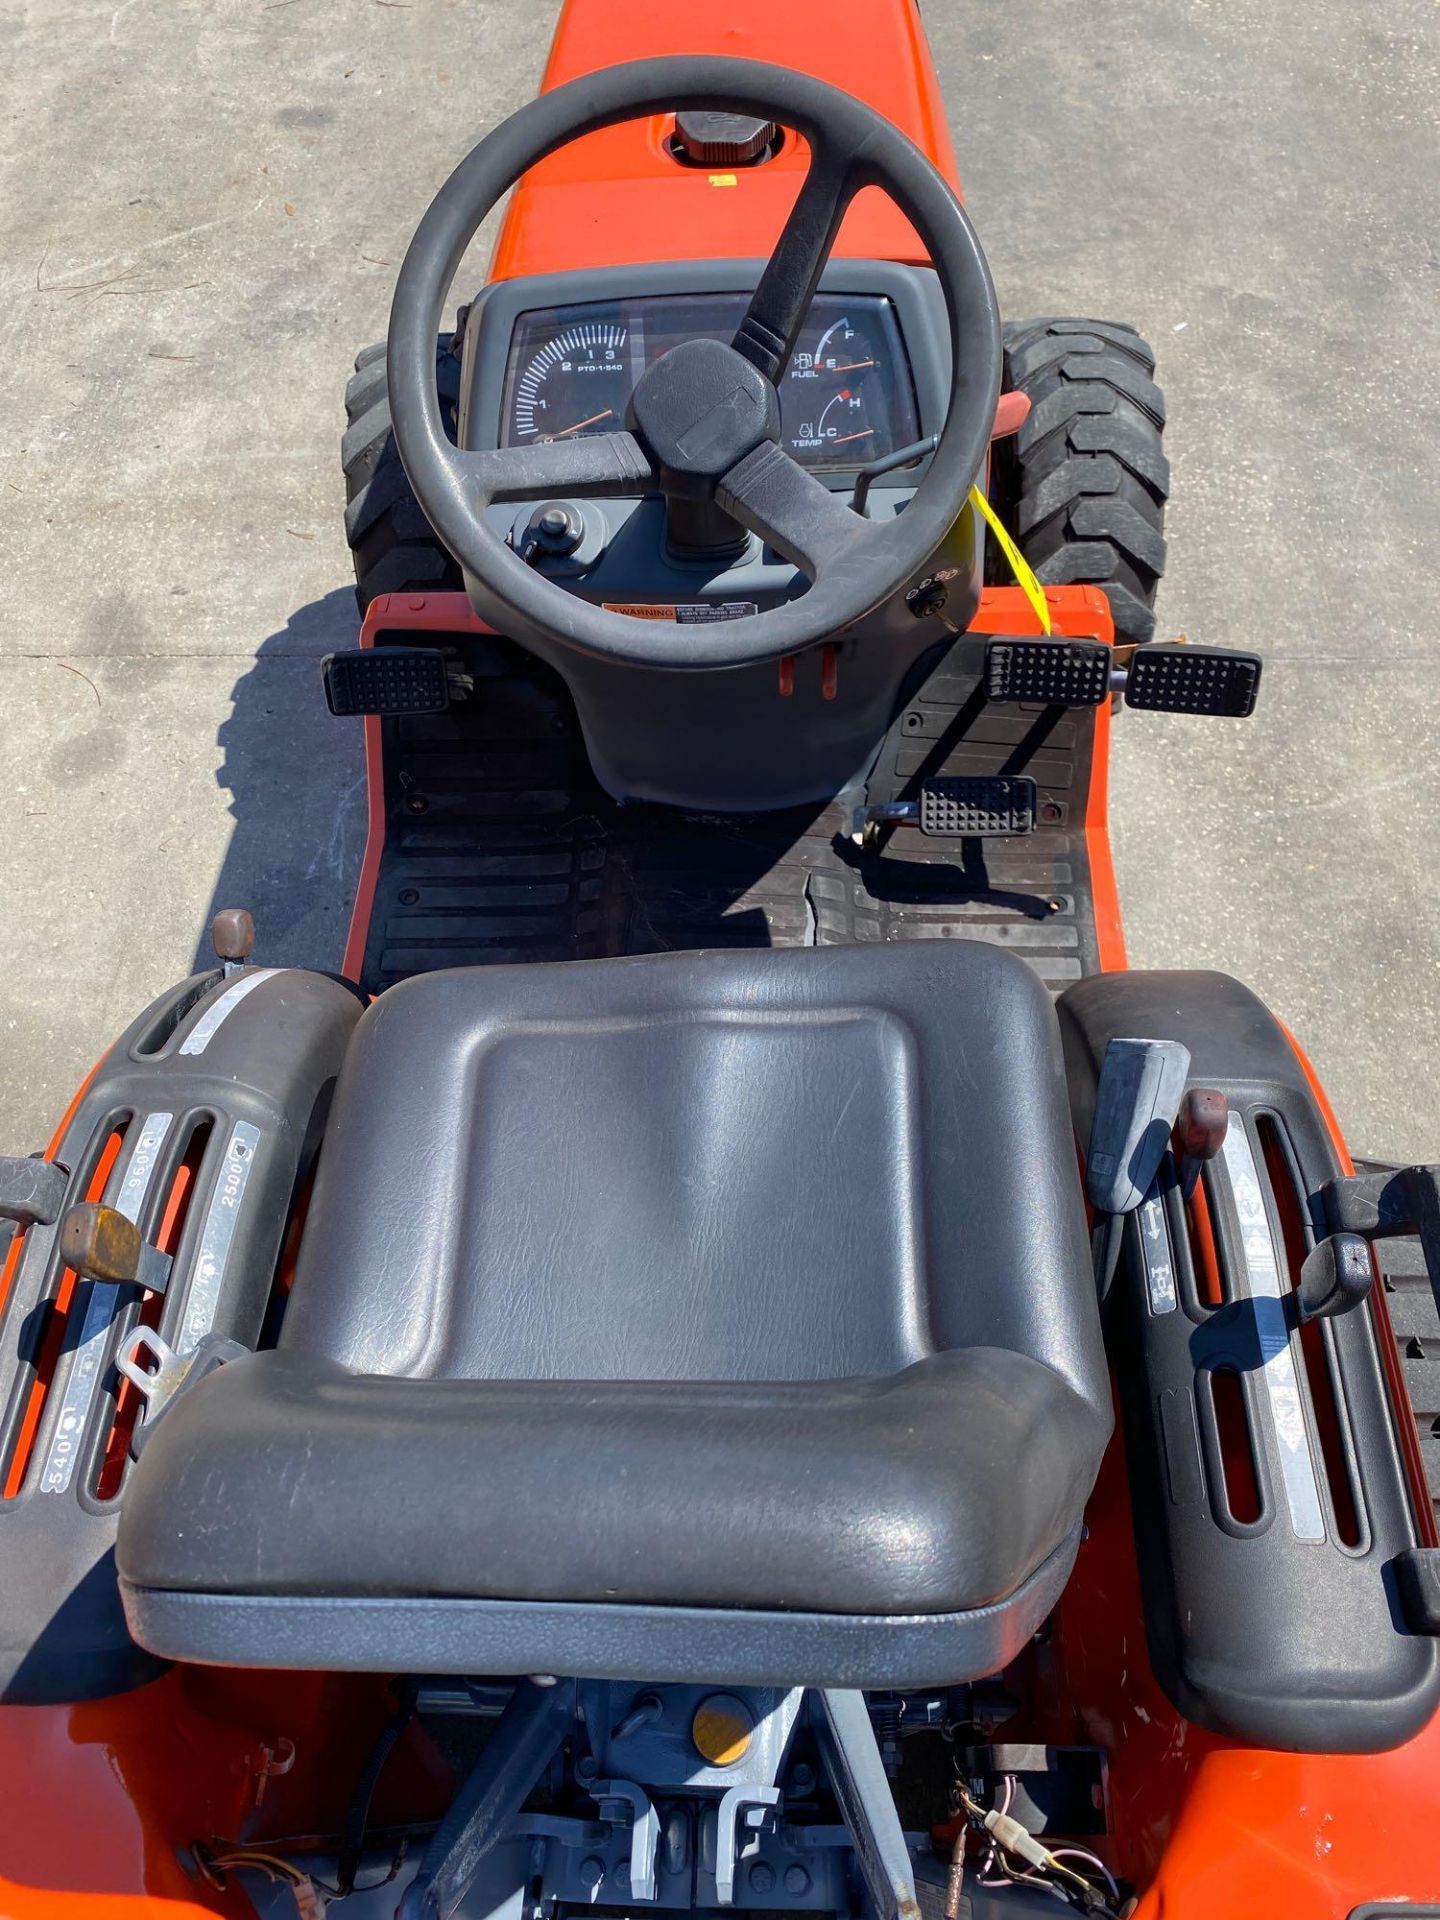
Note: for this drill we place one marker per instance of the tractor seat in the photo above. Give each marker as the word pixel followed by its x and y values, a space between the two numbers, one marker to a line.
pixel 705 1316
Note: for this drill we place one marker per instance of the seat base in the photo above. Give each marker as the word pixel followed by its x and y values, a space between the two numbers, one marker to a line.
pixel 735 1646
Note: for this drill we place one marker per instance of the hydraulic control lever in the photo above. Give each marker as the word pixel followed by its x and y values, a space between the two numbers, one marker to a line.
pixel 1200 1130
pixel 99 1243
pixel 1336 1277
pixel 32 1191
pixel 1384 1201
pixel 232 935
pixel 1136 1101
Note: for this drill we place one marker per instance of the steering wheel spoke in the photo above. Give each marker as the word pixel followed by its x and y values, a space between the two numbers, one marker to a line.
pixel 603 464
pixel 775 497
pixel 767 335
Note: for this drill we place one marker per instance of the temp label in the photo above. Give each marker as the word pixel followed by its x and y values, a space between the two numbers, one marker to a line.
pixel 100 1308
pixel 684 613
pixel 219 1011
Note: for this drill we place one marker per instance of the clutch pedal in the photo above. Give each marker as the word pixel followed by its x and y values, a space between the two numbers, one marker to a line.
pixel 967 807
pixel 1048 673
pixel 386 680
pixel 1170 678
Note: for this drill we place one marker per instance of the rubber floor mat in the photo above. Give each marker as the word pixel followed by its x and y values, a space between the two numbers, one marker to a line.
pixel 500 846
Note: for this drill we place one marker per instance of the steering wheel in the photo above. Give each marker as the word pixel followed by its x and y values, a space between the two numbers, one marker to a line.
pixel 704 417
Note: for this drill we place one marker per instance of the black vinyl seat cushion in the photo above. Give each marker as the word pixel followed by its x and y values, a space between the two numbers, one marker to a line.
pixel 719 1315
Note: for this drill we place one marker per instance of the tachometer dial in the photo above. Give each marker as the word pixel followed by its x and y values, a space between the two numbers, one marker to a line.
pixel 575 385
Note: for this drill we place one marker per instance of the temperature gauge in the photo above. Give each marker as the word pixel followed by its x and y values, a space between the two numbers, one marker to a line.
pixel 840 398
pixel 835 434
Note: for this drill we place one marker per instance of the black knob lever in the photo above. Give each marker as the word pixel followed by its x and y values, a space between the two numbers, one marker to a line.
pixel 1337 1277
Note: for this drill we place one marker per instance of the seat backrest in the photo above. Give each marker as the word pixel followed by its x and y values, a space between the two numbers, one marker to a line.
pixel 797 1164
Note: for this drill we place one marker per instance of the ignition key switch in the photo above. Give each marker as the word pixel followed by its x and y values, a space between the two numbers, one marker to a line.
pixel 553 530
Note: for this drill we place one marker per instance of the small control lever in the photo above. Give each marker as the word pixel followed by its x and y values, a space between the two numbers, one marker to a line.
pixel 1337 1277
pixel 101 1244
pixel 887 463
pixel 32 1191
pixel 1200 1129
pixel 1383 1201
pixel 232 935
pixel 1136 1100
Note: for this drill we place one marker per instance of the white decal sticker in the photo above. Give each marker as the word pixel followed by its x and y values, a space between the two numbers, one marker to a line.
pixel 1155 1244
pixel 219 1011
pixel 1277 1371
pixel 100 1306
pixel 216 1240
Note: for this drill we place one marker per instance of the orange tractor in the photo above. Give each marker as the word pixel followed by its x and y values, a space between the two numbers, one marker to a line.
pixel 735 1357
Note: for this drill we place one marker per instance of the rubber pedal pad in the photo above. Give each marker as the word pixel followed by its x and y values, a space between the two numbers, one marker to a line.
pixel 386 680
pixel 1048 673
pixel 1169 678
pixel 978 806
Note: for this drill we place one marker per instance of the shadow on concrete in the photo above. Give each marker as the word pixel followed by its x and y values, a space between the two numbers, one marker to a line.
pixel 296 780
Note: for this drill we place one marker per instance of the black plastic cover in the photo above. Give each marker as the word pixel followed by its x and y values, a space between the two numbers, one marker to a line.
pixel 230 1076
pixel 1280 1625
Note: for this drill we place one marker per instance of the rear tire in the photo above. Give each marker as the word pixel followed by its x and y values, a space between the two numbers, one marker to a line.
pixel 1083 485
pixel 394 547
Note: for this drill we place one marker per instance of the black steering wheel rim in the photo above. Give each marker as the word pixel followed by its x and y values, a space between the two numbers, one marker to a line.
pixel 852 146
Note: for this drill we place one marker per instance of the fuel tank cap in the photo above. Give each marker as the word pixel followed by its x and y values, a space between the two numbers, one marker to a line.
pixel 708 139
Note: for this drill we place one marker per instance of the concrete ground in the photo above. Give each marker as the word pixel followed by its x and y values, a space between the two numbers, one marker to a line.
pixel 202 207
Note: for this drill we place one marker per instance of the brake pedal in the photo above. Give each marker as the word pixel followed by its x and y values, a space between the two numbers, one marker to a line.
pixel 386 680
pixel 1172 678
pixel 1049 673
pixel 965 807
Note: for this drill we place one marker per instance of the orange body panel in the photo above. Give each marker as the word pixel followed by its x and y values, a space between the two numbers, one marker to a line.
pixel 617 196
pixel 1207 1826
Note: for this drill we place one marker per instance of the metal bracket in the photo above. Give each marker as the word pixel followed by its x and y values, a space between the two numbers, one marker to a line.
pixel 636 1806
pixel 172 1372
pixel 851 1753
pixel 757 1803
pixel 526 1738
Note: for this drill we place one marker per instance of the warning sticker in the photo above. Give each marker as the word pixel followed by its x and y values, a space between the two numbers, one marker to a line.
pixel 685 613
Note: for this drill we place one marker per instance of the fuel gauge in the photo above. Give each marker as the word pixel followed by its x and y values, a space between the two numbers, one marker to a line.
pixel 842 400
pixel 839 351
